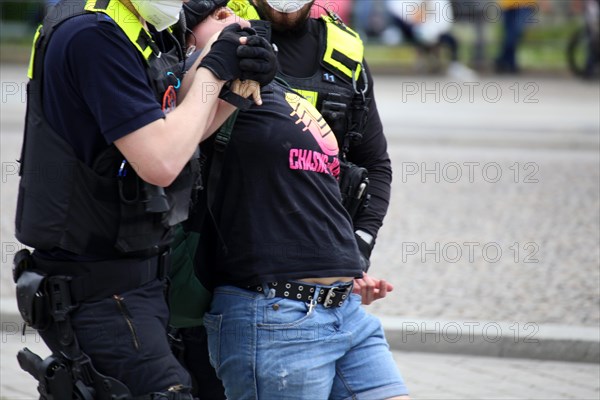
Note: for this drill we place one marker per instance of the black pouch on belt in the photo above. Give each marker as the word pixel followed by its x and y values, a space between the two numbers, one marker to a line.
pixel 32 299
pixel 354 182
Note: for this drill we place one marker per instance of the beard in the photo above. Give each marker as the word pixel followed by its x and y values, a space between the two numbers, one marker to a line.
pixel 282 22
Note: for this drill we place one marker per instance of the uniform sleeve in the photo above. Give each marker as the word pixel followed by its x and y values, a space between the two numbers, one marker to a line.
pixel 372 154
pixel 111 77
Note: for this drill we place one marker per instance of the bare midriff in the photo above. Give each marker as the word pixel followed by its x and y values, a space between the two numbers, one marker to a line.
pixel 326 281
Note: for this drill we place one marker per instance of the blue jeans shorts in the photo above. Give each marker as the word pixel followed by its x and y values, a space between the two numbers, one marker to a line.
pixel 266 347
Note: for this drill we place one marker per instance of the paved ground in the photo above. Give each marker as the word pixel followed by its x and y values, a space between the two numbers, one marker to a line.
pixel 496 201
pixel 429 376
pixel 496 198
pixel 494 217
pixel 523 249
pixel 434 376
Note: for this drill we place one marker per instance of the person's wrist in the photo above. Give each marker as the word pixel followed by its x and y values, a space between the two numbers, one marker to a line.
pixel 216 67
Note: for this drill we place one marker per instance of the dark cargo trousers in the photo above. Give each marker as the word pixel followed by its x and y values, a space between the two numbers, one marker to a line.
pixel 125 336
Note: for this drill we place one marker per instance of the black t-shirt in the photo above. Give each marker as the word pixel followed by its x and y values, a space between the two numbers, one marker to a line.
pixel 278 207
pixel 299 56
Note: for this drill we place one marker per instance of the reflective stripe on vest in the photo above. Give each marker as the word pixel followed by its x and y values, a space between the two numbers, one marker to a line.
pixel 344 48
pixel 310 95
pixel 127 21
pixel 123 17
pixel 33 47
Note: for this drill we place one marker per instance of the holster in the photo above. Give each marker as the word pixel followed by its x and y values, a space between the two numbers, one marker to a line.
pixel 63 379
pixel 32 299
pixel 354 182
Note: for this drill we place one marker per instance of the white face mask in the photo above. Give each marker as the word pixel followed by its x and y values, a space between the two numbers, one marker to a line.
pixel 161 14
pixel 287 6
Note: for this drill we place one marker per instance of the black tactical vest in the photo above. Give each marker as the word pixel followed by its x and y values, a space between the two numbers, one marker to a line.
pixel 63 203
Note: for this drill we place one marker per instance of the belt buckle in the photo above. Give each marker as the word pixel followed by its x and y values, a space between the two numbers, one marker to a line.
pixel 343 291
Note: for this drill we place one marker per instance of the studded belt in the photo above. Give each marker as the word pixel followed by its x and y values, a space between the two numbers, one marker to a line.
pixel 328 296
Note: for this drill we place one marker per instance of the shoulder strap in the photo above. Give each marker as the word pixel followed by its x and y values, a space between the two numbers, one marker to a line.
pixel 344 52
pixel 222 139
pixel 128 23
pixel 344 49
pixel 60 13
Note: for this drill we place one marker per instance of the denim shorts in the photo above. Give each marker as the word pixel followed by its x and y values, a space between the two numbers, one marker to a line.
pixel 274 348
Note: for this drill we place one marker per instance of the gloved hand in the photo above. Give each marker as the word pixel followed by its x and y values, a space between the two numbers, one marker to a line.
pixel 222 59
pixel 257 60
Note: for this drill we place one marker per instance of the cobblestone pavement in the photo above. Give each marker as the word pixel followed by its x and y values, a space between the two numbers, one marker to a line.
pixel 495 203
pixel 428 376
pixel 523 248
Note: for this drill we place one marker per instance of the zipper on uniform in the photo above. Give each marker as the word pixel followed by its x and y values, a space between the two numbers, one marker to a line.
pixel 128 319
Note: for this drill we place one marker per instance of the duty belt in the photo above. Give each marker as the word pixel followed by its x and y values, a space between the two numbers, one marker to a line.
pixel 328 296
pixel 92 281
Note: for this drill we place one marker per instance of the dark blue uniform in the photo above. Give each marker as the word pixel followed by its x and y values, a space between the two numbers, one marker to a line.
pixel 96 90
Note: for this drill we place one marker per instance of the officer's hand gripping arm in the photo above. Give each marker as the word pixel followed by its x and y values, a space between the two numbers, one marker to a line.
pixel 257 60
pixel 222 59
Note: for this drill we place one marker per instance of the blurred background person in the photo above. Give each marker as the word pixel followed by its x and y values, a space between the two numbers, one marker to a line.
pixel 427 24
pixel 516 14
pixel 362 12
pixel 369 19
pixel 583 48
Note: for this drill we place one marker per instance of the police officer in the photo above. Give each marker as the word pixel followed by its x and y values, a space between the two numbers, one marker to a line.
pixel 109 164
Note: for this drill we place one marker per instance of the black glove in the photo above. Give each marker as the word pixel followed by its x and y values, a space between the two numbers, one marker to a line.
pixel 257 60
pixel 222 59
